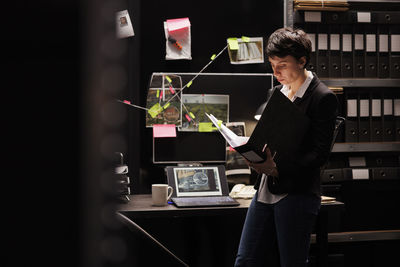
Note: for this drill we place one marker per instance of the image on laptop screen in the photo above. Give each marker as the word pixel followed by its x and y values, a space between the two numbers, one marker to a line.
pixel 197 181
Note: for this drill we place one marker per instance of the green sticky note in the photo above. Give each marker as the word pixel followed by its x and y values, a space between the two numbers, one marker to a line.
pixel 233 44
pixel 245 39
pixel 155 110
pixel 219 123
pixel 213 57
pixel 189 84
pixel 158 93
pixel 206 127
pixel 192 115
pixel 168 79
pixel 166 105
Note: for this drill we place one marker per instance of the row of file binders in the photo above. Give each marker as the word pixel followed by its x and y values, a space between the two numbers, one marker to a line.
pixel 374 167
pixel 347 174
pixel 353 44
pixel 372 114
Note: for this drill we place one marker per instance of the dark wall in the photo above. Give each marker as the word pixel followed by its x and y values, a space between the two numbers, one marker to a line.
pixel 212 22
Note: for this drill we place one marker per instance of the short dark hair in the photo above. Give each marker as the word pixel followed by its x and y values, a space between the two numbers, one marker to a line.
pixel 289 42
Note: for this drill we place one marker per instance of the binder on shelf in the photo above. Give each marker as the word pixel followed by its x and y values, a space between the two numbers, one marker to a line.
pixel 322 52
pixel 385 173
pixel 376 116
pixel 383 51
pixel 347 175
pixel 396 105
pixel 311 30
pixel 351 123
pixel 364 123
pixel 387 17
pixel 312 65
pixel 332 175
pixel 339 92
pixel 334 52
pixel 388 118
pixel 394 51
pixel 359 61
pixel 347 51
pixel 371 59
pixel 337 17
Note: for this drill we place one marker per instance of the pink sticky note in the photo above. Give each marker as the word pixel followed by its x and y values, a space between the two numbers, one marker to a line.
pixel 171 89
pixel 231 148
pixel 164 130
pixel 187 117
pixel 177 24
pixel 127 102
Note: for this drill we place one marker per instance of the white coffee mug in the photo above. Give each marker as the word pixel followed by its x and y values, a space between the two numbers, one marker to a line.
pixel 160 194
pixel 121 169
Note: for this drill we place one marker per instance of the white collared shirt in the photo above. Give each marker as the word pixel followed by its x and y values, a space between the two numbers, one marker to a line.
pixel 303 88
pixel 264 195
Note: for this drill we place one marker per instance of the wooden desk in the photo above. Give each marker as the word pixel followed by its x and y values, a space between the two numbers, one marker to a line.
pixel 140 207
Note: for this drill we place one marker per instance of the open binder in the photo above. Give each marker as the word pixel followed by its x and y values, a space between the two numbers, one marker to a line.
pixel 281 127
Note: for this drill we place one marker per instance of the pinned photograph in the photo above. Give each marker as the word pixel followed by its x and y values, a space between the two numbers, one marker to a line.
pixel 246 50
pixel 124 27
pixel 164 100
pixel 195 106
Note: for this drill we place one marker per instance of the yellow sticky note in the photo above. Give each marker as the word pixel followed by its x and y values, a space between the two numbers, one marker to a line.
pixel 168 79
pixel 219 123
pixel 158 93
pixel 213 57
pixel 233 43
pixel 189 84
pixel 192 115
pixel 166 105
pixel 206 127
pixel 155 110
pixel 245 39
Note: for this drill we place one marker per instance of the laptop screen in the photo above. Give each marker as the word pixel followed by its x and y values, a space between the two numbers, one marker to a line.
pixel 197 181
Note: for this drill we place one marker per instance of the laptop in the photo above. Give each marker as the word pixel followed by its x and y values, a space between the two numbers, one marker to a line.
pixel 204 186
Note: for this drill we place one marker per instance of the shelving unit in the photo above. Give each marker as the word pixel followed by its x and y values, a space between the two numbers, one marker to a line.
pixel 361 196
pixel 361 82
pixel 366 147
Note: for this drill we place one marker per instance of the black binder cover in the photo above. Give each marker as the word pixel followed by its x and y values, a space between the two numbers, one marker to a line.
pixel 364 113
pixel 383 58
pixel 347 52
pixel 311 30
pixel 371 58
pixel 397 116
pixel 394 53
pixel 359 60
pixel 388 118
pixel 282 127
pixel 335 64
pixel 322 51
pixel 351 123
pixel 376 116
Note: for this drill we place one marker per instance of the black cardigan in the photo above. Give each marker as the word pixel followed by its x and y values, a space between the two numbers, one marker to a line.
pixel 300 172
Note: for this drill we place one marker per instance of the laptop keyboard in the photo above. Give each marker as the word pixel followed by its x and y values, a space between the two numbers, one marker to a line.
pixel 206 201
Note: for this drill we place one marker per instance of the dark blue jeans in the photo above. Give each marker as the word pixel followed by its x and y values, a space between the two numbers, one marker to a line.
pixel 279 232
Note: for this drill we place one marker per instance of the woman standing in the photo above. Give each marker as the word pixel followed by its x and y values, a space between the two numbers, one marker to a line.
pixel 282 214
